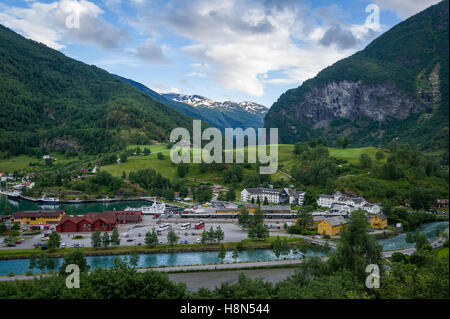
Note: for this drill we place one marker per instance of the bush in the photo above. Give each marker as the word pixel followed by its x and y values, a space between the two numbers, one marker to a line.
pixel 11 274
pixel 77 237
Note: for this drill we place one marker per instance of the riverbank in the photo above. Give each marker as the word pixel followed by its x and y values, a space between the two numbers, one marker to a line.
pixel 89 251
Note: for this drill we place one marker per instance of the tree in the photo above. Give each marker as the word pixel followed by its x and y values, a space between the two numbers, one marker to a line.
pixel 54 240
pixel 76 258
pixel 160 156
pixel 151 238
pixel 379 155
pixel 244 217
pixel 365 160
pixel 410 238
pixel 15 226
pixel 266 201
pixel 276 246
pixel 32 260
pixel 182 169
pixel 172 237
pixel 7 210
pixel 96 240
pixel 420 198
pixel 3 228
pixel 230 195
pixel 115 238
pixel 356 249
pixel 105 239
pixel 235 254
pixel 222 253
pixel 147 151
pixel 304 218
pixel 123 157
pixel 421 240
pixel 259 231
pixel 219 234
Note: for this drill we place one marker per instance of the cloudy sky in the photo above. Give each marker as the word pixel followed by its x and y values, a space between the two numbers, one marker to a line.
pixel 226 50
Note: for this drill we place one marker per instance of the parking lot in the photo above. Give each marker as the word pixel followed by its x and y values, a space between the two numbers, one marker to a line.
pixel 134 234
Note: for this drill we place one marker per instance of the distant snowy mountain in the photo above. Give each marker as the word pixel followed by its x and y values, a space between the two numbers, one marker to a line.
pixel 201 101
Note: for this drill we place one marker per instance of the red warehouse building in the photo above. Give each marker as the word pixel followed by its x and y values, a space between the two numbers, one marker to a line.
pixel 105 221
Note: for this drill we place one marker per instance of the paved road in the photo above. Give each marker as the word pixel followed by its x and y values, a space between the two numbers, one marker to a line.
pixel 196 280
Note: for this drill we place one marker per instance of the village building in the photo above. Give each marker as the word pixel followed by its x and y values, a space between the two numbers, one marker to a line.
pixel 378 221
pixel 285 196
pixel 332 226
pixel 441 203
pixel 37 217
pixel 261 194
pixel 105 221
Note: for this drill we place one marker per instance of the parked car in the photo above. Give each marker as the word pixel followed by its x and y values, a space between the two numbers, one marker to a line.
pixel 130 239
pixel 44 238
pixel 63 245
pixel 160 242
pixel 11 245
pixel 198 240
pixel 18 242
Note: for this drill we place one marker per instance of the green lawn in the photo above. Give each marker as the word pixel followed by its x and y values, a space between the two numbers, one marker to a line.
pixel 442 252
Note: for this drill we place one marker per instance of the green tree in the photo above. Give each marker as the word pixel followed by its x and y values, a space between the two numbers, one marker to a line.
pixel 123 158
pixel 172 237
pixel 54 240
pixel 379 155
pixel 244 217
pixel 356 249
pixel 7 210
pixel 222 253
pixel 96 239
pixel 115 237
pixel 259 231
pixel 219 234
pixel 3 227
pixel 105 239
pixel 235 254
pixel 151 238
pixel 76 258
pixel 365 160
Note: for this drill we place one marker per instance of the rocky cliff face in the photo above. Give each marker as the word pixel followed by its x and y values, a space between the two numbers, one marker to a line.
pixel 354 100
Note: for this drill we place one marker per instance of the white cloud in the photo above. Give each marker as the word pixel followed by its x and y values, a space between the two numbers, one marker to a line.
pixel 47 23
pixel 244 41
pixel 405 8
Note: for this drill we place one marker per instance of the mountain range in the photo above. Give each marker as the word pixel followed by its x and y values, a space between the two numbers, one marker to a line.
pixel 396 89
pixel 218 114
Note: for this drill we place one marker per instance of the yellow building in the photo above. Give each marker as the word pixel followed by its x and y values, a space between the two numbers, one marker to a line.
pixel 315 223
pixel 38 217
pixel 332 226
pixel 227 211
pixel 378 221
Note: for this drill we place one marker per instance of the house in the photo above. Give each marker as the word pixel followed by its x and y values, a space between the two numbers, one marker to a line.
pixel 105 221
pixel 216 188
pixel 325 200
pixel 371 208
pixel 37 217
pixel 332 226
pixel 292 196
pixel 315 222
pixel 272 195
pixel 378 221
pixel 442 203
pixel 46 156
pixel 340 210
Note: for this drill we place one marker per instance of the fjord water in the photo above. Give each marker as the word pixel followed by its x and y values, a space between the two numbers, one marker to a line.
pixel 21 266
pixel 70 209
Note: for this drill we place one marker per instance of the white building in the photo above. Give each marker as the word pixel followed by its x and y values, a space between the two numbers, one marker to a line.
pixel 353 203
pixel 372 208
pixel 295 197
pixel 272 195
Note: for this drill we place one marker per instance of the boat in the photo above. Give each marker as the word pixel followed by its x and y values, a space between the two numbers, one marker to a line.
pixel 45 199
pixel 155 209
pixel 106 199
